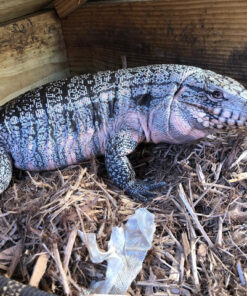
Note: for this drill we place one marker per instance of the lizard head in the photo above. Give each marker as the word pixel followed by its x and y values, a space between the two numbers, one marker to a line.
pixel 195 102
pixel 214 101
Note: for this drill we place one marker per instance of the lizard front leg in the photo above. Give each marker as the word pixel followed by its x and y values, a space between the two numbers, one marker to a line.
pixel 5 169
pixel 120 170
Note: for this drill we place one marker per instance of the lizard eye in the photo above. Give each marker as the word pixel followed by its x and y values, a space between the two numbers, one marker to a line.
pixel 217 95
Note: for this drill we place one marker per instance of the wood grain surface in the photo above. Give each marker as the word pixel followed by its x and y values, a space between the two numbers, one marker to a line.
pixel 210 34
pixel 65 7
pixel 32 52
pixel 10 9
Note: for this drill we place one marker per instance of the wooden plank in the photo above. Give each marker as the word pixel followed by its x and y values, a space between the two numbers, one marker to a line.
pixel 32 52
pixel 65 7
pixel 10 9
pixel 210 34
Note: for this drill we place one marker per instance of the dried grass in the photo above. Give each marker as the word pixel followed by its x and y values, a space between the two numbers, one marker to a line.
pixel 200 243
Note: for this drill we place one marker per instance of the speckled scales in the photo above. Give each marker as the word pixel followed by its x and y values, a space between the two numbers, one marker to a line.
pixel 68 121
pixel 60 123
pixel 13 288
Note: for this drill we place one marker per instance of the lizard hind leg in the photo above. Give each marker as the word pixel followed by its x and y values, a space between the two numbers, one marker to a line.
pixel 5 169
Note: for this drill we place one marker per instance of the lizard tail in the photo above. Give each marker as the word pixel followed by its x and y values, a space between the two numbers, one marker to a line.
pixel 10 287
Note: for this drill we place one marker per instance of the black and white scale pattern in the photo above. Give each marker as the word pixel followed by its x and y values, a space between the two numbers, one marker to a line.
pixel 12 288
pixel 65 121
pixel 68 121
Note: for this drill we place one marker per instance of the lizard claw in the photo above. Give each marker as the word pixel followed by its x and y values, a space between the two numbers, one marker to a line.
pixel 152 185
pixel 140 190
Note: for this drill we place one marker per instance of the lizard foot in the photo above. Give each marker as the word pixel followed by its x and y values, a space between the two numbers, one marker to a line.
pixel 140 190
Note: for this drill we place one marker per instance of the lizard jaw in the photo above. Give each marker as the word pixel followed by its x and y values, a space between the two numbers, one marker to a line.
pixel 221 118
pixel 210 117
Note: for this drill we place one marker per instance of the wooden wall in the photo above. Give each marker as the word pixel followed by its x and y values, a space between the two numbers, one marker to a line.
pixel 32 49
pixel 32 52
pixel 210 34
pixel 11 9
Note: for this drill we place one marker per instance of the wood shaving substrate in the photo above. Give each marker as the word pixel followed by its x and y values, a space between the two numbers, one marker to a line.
pixel 200 243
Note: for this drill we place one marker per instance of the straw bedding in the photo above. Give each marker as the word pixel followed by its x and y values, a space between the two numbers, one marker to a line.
pixel 200 243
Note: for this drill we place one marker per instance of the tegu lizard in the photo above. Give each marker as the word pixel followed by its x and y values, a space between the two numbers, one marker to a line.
pixel 109 113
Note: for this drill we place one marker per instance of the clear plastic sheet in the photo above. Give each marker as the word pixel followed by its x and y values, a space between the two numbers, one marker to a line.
pixel 127 249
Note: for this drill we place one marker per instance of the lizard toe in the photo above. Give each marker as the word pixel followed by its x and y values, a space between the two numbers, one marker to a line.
pixel 140 190
pixel 153 185
pixel 140 197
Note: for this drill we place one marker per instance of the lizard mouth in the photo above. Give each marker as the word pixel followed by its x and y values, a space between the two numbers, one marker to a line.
pixel 219 118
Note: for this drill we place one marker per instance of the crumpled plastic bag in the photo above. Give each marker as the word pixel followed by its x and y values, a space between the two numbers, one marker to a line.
pixel 127 249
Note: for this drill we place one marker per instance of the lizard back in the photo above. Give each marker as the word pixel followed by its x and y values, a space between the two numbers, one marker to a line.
pixel 68 121
pixel 59 123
